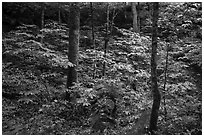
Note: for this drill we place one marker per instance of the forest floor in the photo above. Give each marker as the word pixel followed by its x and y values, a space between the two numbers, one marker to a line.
pixel 190 110
pixel 31 105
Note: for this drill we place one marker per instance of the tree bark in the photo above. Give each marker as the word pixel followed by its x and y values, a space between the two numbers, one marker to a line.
pixel 93 39
pixel 42 21
pixel 138 17
pixel 154 86
pixel 135 17
pixel 165 80
pixel 74 27
pixel 106 39
pixel 59 16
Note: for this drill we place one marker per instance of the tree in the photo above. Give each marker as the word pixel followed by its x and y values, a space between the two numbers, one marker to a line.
pixel 42 20
pixel 154 86
pixel 135 17
pixel 74 27
pixel 106 39
pixel 93 37
pixel 138 17
pixel 59 13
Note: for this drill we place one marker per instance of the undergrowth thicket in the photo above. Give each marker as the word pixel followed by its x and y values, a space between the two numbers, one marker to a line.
pixel 34 79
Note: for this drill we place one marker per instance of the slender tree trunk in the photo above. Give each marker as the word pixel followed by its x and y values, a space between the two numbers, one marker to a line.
pixel 59 16
pixel 93 39
pixel 42 21
pixel 74 27
pixel 165 79
pixel 138 17
pixel 154 86
pixel 106 40
pixel 112 20
pixel 59 12
pixel 135 17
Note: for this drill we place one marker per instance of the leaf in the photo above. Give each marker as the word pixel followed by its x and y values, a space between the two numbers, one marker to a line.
pixel 26 101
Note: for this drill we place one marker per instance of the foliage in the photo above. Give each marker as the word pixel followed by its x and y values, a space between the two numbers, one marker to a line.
pixel 181 20
pixel 34 77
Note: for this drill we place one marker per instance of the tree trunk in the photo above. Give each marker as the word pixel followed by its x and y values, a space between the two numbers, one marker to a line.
pixel 59 12
pixel 112 23
pixel 154 86
pixel 135 17
pixel 74 27
pixel 42 21
pixel 59 16
pixel 138 17
pixel 93 39
pixel 165 80
pixel 106 40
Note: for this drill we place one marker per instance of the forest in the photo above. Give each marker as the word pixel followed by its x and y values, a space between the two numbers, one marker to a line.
pixel 101 68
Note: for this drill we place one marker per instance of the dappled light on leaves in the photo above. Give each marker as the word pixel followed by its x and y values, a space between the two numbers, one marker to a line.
pixel 35 97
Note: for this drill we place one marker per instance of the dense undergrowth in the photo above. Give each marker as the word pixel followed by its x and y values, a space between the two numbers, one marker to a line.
pixel 34 84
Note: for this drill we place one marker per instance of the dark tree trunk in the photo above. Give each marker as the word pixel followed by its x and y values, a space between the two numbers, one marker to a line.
pixel 106 40
pixel 138 17
pixel 93 38
pixel 74 27
pixel 165 80
pixel 135 17
pixel 59 13
pixel 59 16
pixel 42 21
pixel 112 21
pixel 154 86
